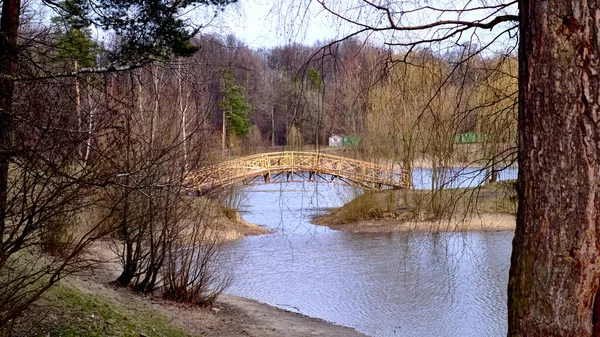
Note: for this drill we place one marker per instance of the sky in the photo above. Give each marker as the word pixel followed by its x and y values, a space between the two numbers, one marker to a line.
pixel 268 23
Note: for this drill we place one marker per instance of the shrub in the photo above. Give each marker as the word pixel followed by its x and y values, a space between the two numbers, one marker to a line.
pixel 196 271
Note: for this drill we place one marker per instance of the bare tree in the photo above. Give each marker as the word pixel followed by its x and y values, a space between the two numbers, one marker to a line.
pixel 50 203
pixel 196 267
pixel 49 190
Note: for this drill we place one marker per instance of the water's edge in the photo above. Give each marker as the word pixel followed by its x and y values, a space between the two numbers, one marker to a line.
pixel 379 284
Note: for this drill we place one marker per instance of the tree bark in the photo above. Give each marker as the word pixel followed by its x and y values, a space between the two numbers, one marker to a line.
pixel 78 108
pixel 157 92
pixel 554 273
pixel 273 127
pixel 9 28
pixel 183 111
pixel 90 130
pixel 129 266
pixel 224 134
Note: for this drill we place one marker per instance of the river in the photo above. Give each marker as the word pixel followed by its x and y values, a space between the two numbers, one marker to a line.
pixel 399 284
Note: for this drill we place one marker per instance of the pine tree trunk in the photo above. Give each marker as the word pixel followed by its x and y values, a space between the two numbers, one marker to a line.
pixel 554 274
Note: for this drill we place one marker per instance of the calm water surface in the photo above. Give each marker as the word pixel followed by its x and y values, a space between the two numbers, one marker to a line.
pixel 400 284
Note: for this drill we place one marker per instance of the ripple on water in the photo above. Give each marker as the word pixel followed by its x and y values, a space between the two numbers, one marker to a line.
pixel 402 284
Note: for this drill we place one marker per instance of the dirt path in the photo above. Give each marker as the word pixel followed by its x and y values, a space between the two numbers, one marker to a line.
pixel 237 316
pixel 265 320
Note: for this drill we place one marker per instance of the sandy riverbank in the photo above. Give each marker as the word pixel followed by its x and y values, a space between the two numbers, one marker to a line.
pixel 229 230
pixel 225 224
pixel 476 223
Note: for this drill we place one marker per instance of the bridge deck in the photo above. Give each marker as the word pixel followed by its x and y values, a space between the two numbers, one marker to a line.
pixel 270 165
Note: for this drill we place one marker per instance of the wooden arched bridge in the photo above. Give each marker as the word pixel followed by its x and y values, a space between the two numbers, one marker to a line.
pixel 291 165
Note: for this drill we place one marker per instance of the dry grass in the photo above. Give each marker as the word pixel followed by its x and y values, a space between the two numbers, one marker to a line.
pixel 420 205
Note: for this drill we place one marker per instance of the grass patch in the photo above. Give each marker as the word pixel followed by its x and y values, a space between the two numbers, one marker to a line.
pixel 68 312
pixel 371 205
pixel 230 213
pixel 499 197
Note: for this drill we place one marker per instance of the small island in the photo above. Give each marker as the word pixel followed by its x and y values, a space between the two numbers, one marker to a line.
pixel 489 208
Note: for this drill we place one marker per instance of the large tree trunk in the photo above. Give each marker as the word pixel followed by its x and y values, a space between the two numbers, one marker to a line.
pixel 9 28
pixel 554 274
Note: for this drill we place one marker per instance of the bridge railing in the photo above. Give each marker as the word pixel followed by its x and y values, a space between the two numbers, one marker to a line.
pixel 365 173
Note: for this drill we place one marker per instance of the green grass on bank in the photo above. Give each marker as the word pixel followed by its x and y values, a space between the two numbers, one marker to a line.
pixel 67 311
pixel 411 205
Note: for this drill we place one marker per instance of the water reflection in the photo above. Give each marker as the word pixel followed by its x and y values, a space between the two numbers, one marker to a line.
pixel 403 284
pixel 459 177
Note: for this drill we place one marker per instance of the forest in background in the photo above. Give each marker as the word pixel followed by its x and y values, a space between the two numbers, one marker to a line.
pixel 421 103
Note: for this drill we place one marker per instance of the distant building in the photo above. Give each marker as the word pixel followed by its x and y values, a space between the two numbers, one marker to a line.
pixel 336 140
